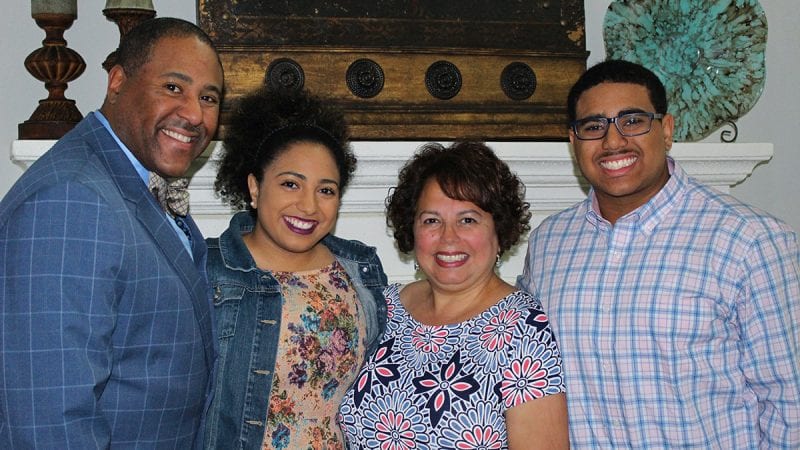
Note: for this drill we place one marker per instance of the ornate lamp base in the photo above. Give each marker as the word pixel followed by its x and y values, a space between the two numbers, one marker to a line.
pixel 55 65
pixel 126 19
pixel 42 126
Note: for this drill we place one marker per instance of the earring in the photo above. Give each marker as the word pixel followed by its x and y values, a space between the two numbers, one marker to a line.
pixel 252 204
pixel 416 266
pixel 497 260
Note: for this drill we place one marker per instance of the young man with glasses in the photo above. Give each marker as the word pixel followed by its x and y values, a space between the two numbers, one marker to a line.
pixel 676 307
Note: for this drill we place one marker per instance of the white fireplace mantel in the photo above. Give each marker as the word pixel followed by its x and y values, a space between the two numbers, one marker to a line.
pixel 546 168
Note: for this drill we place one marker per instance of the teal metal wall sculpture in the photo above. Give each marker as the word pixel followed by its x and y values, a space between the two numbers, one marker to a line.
pixel 708 53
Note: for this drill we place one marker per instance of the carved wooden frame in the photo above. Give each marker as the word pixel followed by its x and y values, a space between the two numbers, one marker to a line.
pixel 410 70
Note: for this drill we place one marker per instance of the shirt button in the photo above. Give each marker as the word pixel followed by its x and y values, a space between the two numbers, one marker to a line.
pixel 365 269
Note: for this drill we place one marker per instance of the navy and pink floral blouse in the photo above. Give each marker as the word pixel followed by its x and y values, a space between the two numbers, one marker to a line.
pixel 448 387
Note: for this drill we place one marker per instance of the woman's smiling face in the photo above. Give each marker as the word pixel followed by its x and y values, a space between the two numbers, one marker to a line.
pixel 455 241
pixel 297 201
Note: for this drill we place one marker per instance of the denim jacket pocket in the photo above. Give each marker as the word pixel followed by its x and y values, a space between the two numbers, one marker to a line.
pixel 227 300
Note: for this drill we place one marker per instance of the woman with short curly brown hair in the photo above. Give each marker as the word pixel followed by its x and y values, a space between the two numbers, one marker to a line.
pixel 467 171
pixel 467 360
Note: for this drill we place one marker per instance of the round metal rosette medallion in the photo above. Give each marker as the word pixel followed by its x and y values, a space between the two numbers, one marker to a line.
pixel 285 73
pixel 365 78
pixel 443 80
pixel 518 81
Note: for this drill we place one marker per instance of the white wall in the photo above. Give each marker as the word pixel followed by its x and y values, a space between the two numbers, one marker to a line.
pixel 776 118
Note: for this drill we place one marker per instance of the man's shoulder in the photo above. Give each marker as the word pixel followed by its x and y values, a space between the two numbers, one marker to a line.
pixel 729 211
pixel 72 156
pixel 565 217
pixel 72 159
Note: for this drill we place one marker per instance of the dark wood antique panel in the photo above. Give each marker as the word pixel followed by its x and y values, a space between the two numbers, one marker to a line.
pixel 412 70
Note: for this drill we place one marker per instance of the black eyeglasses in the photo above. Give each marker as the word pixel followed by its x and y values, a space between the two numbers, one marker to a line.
pixel 631 124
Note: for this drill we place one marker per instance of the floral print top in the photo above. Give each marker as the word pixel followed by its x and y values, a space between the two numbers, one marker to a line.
pixel 448 387
pixel 319 354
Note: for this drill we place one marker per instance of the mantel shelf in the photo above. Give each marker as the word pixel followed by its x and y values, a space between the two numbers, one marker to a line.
pixel 546 168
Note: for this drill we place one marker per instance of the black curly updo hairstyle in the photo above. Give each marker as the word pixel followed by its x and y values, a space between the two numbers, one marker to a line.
pixel 466 171
pixel 264 124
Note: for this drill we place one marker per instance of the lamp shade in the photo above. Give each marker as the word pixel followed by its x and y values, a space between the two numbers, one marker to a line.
pixel 130 4
pixel 54 7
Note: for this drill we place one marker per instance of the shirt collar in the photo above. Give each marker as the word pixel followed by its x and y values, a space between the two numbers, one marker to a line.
pixel 649 215
pixel 144 174
pixel 235 254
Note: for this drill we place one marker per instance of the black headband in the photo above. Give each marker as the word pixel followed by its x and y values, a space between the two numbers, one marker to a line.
pixel 300 131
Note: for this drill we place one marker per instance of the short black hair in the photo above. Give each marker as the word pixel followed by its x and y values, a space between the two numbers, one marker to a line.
pixel 618 71
pixel 136 46
pixel 264 123
pixel 466 171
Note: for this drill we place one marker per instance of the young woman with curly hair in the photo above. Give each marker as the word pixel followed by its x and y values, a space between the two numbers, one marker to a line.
pixel 297 309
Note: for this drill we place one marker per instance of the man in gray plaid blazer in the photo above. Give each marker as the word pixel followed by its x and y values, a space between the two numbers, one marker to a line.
pixel 105 324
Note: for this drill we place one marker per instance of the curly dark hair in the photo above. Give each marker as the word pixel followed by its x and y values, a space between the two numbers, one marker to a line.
pixel 466 171
pixel 264 124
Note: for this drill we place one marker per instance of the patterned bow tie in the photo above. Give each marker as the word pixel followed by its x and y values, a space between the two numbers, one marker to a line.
pixel 172 195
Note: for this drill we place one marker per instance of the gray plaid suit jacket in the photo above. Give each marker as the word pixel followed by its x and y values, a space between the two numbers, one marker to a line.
pixel 105 328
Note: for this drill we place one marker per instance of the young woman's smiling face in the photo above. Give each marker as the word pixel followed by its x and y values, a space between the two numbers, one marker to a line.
pixel 297 201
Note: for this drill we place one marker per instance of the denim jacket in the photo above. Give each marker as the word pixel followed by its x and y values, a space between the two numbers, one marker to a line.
pixel 247 304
